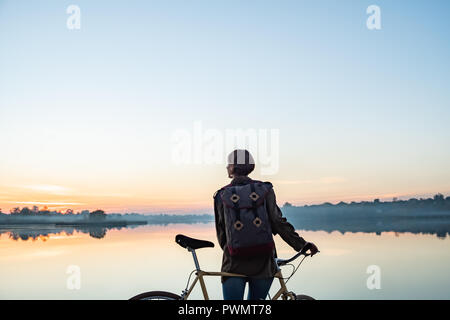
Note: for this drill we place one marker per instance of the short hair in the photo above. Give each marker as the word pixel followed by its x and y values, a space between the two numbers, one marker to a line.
pixel 242 161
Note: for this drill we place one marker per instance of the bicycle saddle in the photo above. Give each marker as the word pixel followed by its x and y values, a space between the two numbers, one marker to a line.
pixel 192 243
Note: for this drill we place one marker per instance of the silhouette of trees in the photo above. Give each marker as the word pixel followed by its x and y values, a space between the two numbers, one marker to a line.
pixel 439 199
pixel 431 215
pixel 25 211
pixel 35 211
pixel 97 215
pixel 438 202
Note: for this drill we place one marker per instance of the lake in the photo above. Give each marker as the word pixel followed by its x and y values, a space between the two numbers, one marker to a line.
pixel 125 262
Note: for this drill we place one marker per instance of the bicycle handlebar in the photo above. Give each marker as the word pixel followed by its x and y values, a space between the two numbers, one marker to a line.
pixel 303 251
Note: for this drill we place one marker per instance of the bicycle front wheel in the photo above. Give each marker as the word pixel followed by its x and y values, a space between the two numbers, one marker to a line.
pixel 156 295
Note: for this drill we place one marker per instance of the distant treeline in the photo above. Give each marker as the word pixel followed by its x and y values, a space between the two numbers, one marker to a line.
pixel 36 211
pixel 45 216
pixel 411 207
pixel 32 224
pixel 35 215
pixel 430 215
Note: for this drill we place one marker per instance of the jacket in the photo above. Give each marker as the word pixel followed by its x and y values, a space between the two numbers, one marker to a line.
pixel 255 267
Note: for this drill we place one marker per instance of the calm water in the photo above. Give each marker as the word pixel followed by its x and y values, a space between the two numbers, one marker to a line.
pixel 128 261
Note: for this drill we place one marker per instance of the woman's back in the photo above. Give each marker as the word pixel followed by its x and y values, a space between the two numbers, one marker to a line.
pixel 234 217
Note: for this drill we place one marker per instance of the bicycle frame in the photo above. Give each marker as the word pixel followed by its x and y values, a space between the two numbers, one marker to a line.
pixel 282 292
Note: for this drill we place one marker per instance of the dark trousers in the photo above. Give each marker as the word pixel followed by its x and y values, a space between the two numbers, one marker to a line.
pixel 233 288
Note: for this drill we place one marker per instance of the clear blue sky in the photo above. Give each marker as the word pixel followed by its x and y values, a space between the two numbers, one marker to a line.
pixel 361 113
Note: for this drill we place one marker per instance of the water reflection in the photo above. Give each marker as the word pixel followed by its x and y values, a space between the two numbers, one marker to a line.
pixel 128 261
pixel 438 225
pixel 44 232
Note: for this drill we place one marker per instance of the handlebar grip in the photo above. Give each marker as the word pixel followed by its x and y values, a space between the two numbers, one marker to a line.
pixel 305 249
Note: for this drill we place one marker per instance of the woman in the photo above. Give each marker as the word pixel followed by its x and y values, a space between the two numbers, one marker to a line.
pixel 260 268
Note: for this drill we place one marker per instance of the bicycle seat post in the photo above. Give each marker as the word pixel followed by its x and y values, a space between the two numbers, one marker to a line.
pixel 194 255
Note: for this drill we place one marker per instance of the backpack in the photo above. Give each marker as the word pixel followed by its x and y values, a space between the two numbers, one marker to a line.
pixel 247 224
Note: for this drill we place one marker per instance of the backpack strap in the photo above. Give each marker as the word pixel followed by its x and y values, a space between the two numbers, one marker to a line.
pixel 254 197
pixel 238 225
pixel 236 207
pixel 218 191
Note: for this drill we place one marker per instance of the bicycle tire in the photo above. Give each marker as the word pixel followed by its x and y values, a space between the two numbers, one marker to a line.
pixel 303 297
pixel 156 295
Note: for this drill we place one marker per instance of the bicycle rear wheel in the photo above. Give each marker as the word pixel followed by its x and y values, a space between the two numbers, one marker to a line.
pixel 303 297
pixel 156 295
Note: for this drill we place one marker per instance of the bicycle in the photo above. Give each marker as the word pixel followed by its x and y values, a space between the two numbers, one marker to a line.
pixel 192 244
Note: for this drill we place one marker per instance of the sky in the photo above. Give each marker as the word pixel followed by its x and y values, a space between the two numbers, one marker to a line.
pixel 92 117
